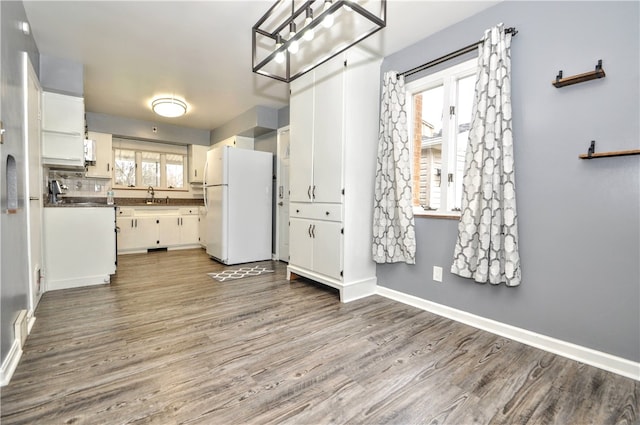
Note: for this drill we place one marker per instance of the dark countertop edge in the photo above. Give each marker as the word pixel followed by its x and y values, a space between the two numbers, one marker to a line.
pixel 126 202
pixel 79 205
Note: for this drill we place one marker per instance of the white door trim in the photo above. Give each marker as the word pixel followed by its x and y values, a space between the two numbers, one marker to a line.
pixel 279 183
pixel 34 264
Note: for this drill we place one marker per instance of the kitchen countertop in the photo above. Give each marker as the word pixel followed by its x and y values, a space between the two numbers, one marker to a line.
pixel 85 202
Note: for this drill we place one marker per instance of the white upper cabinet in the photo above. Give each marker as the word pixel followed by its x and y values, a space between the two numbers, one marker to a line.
pixel 301 117
pixel 317 109
pixel 104 155
pixel 62 113
pixel 328 132
pixel 197 157
pixel 62 130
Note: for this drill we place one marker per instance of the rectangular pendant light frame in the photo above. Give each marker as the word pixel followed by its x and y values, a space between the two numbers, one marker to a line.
pixel 287 75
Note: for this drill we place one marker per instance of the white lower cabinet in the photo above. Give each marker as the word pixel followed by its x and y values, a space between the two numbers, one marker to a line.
pixel 144 228
pixel 202 227
pixel 189 230
pixel 316 245
pixel 136 233
pixel 79 246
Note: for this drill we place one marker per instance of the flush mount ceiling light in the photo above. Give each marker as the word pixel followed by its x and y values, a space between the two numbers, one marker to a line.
pixel 289 42
pixel 169 107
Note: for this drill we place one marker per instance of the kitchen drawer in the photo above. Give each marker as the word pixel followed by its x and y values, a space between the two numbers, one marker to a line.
pixel 328 212
pixel 189 211
pixel 125 212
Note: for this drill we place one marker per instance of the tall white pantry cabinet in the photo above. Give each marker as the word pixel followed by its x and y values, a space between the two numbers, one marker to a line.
pixel 334 138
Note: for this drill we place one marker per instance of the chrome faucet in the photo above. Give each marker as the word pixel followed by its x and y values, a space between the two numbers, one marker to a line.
pixel 151 192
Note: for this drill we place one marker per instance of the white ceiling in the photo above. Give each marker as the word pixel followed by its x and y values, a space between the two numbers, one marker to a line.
pixel 134 50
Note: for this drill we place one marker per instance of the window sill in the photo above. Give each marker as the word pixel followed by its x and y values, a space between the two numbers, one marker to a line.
pixel 433 214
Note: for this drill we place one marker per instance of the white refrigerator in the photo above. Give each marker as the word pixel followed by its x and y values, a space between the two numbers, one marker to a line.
pixel 238 200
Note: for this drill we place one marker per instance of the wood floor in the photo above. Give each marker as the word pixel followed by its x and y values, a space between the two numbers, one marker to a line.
pixel 166 344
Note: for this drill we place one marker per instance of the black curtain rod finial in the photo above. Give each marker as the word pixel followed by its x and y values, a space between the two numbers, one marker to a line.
pixel 511 30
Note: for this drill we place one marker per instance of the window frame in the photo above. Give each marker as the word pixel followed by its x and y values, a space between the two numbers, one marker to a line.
pixel 448 78
pixel 162 149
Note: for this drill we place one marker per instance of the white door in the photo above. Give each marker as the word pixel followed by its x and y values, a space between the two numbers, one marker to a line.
pixel 282 209
pixel 32 93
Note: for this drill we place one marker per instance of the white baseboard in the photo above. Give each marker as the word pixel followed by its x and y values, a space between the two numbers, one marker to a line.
pixel 53 285
pixel 618 365
pixel 30 322
pixel 10 363
pixel 355 290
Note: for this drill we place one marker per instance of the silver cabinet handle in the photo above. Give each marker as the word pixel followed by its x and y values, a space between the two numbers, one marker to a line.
pixel 310 230
pixel 309 192
pixel 313 193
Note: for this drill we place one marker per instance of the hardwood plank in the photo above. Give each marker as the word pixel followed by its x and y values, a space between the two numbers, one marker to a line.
pixel 166 344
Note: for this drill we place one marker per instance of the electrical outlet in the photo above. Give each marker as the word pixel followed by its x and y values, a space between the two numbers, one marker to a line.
pixel 437 273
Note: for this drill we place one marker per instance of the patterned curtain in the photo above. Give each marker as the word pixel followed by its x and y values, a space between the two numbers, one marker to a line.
pixel 393 226
pixel 487 245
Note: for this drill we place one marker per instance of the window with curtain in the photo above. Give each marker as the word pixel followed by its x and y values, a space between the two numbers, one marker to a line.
pixel 440 110
pixel 140 164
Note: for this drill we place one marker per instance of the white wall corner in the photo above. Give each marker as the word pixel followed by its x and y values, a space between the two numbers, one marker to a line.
pixel 608 362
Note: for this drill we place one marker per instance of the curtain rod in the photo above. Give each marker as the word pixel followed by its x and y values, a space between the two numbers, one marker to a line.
pixel 449 56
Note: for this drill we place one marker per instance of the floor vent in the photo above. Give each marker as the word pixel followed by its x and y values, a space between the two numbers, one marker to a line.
pixel 20 327
pixel 157 250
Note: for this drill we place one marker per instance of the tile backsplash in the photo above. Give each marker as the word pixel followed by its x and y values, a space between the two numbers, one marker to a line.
pixel 77 184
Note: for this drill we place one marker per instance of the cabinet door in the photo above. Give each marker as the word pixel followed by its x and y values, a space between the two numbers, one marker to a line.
pixel 197 158
pixel 301 139
pixel 327 248
pixel 189 231
pixel 104 155
pixel 62 114
pixel 328 132
pixel 146 229
pixel 301 243
pixel 126 233
pixel 62 149
pixel 169 231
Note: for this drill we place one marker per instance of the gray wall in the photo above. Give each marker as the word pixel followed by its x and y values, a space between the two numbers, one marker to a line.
pixel 255 122
pixel 139 129
pixel 14 285
pixel 61 76
pixel 283 117
pixel 579 220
